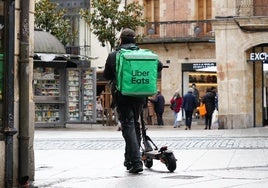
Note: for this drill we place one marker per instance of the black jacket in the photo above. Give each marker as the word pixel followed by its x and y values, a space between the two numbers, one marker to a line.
pixel 109 70
pixel 159 103
pixel 110 74
pixel 209 101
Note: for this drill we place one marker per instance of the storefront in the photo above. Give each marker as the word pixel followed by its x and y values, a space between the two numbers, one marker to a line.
pixel 203 75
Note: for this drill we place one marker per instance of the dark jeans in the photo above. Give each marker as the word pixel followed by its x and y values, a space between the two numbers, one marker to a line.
pixel 188 118
pixel 128 115
pixel 208 120
pixel 159 116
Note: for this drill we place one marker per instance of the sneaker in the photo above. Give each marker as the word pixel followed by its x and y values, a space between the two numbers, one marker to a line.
pixel 136 168
pixel 128 165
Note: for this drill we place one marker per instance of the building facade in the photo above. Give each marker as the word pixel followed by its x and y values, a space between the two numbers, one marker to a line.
pixel 199 40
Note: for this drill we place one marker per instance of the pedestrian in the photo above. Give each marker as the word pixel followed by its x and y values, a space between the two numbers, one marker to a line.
pixel 189 105
pixel 128 108
pixel 151 113
pixel 99 108
pixel 209 101
pixel 177 101
pixel 196 95
pixel 159 106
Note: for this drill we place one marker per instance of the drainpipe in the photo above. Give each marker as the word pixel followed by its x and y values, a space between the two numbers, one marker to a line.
pixel 24 93
pixel 8 97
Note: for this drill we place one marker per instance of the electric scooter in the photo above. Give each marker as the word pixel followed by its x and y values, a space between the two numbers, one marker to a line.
pixel 149 153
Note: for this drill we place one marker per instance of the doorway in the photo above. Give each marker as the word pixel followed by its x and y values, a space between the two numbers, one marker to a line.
pixel 259 84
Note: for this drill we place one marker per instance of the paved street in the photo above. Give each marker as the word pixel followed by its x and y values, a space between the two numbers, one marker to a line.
pixel 93 156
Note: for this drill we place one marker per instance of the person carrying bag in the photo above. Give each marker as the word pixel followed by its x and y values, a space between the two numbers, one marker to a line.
pixel 176 103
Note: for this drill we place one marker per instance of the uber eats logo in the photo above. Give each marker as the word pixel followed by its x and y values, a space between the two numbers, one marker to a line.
pixel 140 77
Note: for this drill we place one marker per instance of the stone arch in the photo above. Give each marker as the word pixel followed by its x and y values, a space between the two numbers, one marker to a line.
pixel 255 40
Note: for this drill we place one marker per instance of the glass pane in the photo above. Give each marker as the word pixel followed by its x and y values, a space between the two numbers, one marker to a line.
pixel 46 81
pixel 88 95
pixel 73 95
pixel 47 113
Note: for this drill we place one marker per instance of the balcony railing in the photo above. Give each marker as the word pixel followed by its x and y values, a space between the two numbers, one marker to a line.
pixel 177 31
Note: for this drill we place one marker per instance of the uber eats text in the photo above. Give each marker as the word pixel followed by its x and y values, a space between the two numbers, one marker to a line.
pixel 140 77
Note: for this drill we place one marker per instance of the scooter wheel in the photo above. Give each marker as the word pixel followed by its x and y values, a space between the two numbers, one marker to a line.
pixel 170 162
pixel 148 162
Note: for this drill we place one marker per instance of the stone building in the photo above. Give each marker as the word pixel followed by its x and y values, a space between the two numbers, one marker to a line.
pixel 195 37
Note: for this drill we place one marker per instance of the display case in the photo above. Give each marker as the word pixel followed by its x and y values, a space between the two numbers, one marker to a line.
pixel 89 96
pixel 81 91
pixel 202 81
pixel 49 95
pixel 48 113
pixel 73 87
pixel 46 82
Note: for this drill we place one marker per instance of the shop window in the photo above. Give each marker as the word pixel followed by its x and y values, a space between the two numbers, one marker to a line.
pixel 46 81
pixel 203 81
pixel 47 113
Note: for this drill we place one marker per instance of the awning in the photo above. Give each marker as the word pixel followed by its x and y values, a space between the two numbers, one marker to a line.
pixel 44 42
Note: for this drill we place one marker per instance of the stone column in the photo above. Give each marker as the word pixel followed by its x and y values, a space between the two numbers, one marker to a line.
pixel 233 76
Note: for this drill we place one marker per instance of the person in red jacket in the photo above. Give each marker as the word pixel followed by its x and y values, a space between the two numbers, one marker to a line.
pixel 176 103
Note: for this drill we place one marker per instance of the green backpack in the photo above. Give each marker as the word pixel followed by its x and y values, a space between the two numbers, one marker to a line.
pixel 136 72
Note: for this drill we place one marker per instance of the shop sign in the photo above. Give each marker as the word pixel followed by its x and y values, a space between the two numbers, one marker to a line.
pixel 197 66
pixel 203 65
pixel 258 56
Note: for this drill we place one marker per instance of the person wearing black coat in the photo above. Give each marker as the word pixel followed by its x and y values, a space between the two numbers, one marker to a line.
pixel 128 108
pixel 159 106
pixel 209 101
pixel 189 105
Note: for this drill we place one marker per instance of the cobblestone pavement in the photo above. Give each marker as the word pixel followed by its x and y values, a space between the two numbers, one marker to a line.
pixel 172 142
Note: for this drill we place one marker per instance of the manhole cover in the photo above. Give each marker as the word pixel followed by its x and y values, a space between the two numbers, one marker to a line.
pixel 183 177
